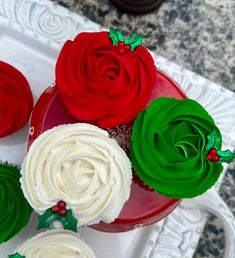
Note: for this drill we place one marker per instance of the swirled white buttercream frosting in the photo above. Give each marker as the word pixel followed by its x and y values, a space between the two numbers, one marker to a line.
pixel 81 165
pixel 55 244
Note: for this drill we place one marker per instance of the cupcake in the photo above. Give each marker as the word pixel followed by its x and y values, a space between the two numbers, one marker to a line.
pixel 16 101
pixel 176 148
pixel 104 78
pixel 14 208
pixel 76 174
pixel 54 243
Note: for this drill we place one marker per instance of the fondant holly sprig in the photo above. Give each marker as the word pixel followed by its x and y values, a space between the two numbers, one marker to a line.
pixel 16 255
pixel 60 213
pixel 214 153
pixel 124 45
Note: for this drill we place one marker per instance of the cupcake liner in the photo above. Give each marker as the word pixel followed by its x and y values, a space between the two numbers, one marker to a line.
pixel 8 163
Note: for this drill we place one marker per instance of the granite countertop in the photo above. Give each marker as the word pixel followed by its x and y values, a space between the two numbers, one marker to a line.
pixel 198 35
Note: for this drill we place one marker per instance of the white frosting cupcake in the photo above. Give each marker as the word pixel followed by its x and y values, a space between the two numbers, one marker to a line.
pixel 55 243
pixel 81 165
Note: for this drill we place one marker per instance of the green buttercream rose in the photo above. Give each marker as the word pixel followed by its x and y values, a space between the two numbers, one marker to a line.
pixel 168 148
pixel 14 209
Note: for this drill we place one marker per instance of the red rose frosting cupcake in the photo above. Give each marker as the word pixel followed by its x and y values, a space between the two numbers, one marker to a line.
pixel 105 79
pixel 16 101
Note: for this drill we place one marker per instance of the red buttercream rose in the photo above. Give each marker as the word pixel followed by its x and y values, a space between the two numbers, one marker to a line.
pixel 102 85
pixel 16 101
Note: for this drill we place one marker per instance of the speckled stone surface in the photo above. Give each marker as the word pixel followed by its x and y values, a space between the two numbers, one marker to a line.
pixel 198 35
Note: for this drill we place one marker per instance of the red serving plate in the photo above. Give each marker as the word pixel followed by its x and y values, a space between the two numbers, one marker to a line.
pixel 144 206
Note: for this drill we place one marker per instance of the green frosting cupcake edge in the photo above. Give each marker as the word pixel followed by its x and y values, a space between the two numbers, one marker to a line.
pixel 15 210
pixel 168 148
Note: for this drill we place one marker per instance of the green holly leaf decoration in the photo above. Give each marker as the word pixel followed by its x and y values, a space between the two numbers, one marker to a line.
pixel 213 141
pixel 69 222
pixel 16 255
pixel 116 37
pixel 48 217
pixel 213 145
pixel 226 156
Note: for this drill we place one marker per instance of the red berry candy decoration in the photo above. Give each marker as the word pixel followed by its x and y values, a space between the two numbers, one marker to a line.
pixel 214 153
pixel 123 48
pixel 60 208
pixel 16 100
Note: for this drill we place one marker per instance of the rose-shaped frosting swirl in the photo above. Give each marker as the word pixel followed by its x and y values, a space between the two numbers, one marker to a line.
pixel 100 86
pixel 81 165
pixel 16 101
pixel 55 244
pixel 14 208
pixel 168 148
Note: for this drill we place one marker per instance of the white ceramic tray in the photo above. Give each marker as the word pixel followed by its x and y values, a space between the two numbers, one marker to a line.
pixel 31 34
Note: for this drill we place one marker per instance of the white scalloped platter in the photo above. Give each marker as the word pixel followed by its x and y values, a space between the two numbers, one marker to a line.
pixel 32 32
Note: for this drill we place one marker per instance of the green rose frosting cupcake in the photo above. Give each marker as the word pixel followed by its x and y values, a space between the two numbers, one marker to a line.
pixel 14 209
pixel 169 148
